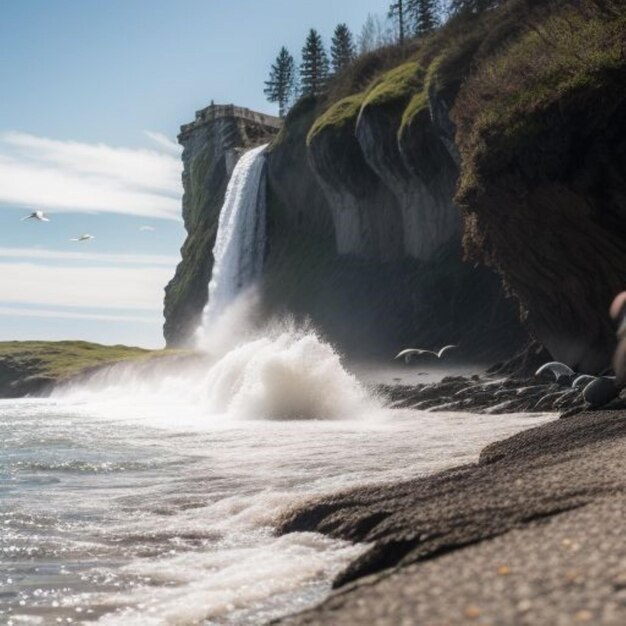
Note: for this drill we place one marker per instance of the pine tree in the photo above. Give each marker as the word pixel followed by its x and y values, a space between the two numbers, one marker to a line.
pixel 367 38
pixel 280 86
pixel 423 15
pixel 397 13
pixel 471 6
pixel 342 50
pixel 314 66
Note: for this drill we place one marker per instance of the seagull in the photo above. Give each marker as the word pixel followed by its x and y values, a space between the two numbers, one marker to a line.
pixel 583 379
pixel 85 237
pixel 36 215
pixel 563 374
pixel 147 228
pixel 409 352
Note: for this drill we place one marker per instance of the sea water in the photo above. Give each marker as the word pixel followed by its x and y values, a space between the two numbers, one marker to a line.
pixel 150 494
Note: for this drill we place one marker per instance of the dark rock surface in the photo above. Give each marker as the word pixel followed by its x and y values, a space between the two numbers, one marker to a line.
pixel 364 303
pixel 499 394
pixel 367 217
pixel 537 473
pixel 543 185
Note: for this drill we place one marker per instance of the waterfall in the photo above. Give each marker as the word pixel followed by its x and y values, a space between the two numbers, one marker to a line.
pixel 240 242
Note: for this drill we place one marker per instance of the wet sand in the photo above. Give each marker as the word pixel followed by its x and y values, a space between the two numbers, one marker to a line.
pixel 532 534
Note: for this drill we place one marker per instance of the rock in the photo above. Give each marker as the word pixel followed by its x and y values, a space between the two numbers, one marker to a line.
pixel 366 215
pixel 600 392
pixel 544 190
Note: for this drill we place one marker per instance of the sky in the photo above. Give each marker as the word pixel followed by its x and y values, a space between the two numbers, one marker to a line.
pixel 92 95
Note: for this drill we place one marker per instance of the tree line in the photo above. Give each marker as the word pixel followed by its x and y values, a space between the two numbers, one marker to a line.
pixel 287 83
pixel 408 19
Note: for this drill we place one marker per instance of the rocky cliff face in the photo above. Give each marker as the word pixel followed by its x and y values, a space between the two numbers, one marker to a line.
pixel 338 243
pixel 211 146
pixel 520 113
pixel 542 135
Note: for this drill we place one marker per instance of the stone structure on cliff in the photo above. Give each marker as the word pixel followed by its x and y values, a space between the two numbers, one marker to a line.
pixel 212 144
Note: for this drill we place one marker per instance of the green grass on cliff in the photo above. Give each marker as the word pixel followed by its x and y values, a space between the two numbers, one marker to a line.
pixel 337 116
pixel 394 86
pixel 398 84
pixel 572 52
pixel 436 61
pixel 61 359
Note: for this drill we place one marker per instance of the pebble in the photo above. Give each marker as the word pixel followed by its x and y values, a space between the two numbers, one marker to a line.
pixel 584 616
pixel 599 392
pixel 472 612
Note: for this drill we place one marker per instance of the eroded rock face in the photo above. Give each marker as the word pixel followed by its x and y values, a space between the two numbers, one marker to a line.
pixel 290 175
pixel 418 170
pixel 366 215
pixel 552 222
pixel 211 146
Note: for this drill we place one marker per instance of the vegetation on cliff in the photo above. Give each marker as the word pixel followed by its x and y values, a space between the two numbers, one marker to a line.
pixel 59 359
pixel 564 58
pixel 30 366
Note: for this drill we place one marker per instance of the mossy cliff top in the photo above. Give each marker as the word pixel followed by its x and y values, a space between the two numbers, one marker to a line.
pixel 512 60
pixel 572 59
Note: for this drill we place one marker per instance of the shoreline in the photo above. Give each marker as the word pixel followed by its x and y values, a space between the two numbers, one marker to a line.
pixel 479 524
pixel 469 540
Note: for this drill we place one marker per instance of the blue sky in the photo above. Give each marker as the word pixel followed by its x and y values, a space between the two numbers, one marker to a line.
pixel 93 94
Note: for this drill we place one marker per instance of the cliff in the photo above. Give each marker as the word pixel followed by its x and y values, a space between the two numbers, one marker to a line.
pixel 340 254
pixel 212 144
pixel 485 159
pixel 542 134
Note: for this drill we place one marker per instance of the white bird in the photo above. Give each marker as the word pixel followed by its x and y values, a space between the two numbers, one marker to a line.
pixel 147 228
pixel 583 379
pixel 557 369
pixel 85 237
pixel 36 215
pixel 409 352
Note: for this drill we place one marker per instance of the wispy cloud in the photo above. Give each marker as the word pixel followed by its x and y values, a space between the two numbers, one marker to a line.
pixel 164 142
pixel 47 313
pixel 102 287
pixel 80 177
pixel 31 254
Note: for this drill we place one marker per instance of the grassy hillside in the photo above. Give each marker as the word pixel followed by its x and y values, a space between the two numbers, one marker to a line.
pixel 26 366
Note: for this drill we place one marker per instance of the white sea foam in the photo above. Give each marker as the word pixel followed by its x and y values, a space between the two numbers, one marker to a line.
pixel 168 519
pixel 279 372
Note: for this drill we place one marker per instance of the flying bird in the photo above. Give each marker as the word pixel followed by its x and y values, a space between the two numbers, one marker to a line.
pixel 583 379
pixel 36 215
pixel 148 229
pixel 85 237
pixel 563 374
pixel 409 352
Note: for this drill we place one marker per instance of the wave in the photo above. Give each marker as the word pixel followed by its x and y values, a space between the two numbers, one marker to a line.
pixel 279 372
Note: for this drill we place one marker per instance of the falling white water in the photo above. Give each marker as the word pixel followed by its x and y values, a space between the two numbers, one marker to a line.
pixel 240 242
